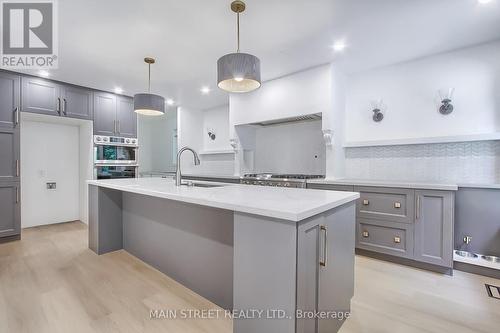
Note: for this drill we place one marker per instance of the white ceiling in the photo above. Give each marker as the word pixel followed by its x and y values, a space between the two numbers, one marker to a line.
pixel 102 43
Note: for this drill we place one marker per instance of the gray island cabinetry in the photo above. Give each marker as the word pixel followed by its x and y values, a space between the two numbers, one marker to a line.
pixel 280 251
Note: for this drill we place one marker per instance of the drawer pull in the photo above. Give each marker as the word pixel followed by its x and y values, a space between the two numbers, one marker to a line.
pixel 397 239
pixel 397 205
pixel 366 202
pixel 325 249
pixel 366 234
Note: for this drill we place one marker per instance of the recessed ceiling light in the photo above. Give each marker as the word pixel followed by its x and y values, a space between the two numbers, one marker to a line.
pixel 170 101
pixel 119 90
pixel 484 2
pixel 44 73
pixel 339 46
pixel 205 90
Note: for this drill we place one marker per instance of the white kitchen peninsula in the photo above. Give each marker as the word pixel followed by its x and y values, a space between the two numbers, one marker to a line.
pixel 242 247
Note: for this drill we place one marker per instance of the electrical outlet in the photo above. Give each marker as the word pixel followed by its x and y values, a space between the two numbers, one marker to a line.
pixel 51 186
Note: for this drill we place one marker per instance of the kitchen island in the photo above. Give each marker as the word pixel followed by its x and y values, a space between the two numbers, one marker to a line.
pixel 283 257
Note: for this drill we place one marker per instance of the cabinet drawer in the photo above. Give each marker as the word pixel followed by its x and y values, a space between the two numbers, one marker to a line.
pixel 385 237
pixel 388 204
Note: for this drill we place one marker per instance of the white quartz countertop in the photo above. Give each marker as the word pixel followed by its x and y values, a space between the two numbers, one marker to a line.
pixel 385 183
pixel 282 203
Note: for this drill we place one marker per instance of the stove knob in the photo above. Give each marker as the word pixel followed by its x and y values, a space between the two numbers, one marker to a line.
pixel 98 138
pixel 134 141
pixel 127 141
pixel 287 184
pixel 105 139
pixel 256 183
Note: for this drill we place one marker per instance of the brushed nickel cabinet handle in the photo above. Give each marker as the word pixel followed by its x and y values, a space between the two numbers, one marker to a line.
pixel 65 104
pixel 397 204
pixel 366 202
pixel 325 248
pixel 417 210
pixel 114 126
pixel 17 168
pixel 17 194
pixel 58 108
pixel 16 116
pixel 119 126
pixel 397 239
pixel 366 234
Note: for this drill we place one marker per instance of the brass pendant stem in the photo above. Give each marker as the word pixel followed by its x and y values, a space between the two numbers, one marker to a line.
pixel 238 30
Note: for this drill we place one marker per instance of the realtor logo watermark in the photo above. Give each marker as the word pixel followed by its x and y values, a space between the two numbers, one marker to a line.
pixel 29 34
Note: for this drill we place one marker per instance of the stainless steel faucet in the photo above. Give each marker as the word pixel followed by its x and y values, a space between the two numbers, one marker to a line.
pixel 178 176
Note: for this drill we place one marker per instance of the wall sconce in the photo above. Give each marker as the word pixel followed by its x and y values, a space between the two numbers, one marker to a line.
pixel 378 109
pixel 446 97
pixel 211 134
pixel 328 137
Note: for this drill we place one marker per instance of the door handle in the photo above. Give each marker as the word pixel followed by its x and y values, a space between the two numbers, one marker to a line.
pixel 16 116
pixel 119 127
pixel 114 126
pixel 58 109
pixel 65 104
pixel 325 248
pixel 17 194
pixel 17 168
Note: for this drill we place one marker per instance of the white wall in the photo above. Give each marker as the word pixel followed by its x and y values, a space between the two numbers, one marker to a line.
pixel 290 148
pixel 49 153
pixel 193 126
pixel 410 91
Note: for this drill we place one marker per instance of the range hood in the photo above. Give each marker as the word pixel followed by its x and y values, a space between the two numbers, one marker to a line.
pixel 309 117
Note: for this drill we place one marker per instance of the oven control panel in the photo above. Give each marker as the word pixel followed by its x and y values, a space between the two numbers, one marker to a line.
pixel 115 141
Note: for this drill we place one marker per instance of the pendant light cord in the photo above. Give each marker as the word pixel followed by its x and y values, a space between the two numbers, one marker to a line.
pixel 238 30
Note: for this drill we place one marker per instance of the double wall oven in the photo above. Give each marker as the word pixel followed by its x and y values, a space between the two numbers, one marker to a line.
pixel 115 157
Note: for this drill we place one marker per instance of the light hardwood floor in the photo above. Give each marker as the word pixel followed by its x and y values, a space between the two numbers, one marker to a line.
pixel 51 282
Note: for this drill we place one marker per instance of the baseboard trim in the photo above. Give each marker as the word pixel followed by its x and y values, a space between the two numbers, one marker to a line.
pixel 474 269
pixel 10 238
pixel 406 262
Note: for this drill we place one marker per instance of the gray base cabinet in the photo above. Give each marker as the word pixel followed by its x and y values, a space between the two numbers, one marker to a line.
pixel 10 209
pixel 434 227
pixel 324 244
pixel 405 223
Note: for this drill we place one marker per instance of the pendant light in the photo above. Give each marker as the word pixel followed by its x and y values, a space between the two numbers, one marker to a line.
pixel 238 72
pixel 149 104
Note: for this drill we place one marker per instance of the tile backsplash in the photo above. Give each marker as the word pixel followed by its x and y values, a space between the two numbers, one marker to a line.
pixel 464 162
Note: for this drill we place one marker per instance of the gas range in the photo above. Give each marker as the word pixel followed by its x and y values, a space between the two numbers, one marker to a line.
pixel 280 180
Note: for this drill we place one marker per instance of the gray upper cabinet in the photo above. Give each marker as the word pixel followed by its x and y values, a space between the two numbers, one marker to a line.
pixel 104 114
pixel 10 210
pixel 55 99
pixel 40 96
pixel 9 100
pixel 77 102
pixel 126 117
pixel 434 227
pixel 114 115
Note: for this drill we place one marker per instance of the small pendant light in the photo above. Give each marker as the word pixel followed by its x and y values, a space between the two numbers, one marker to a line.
pixel 238 72
pixel 149 104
